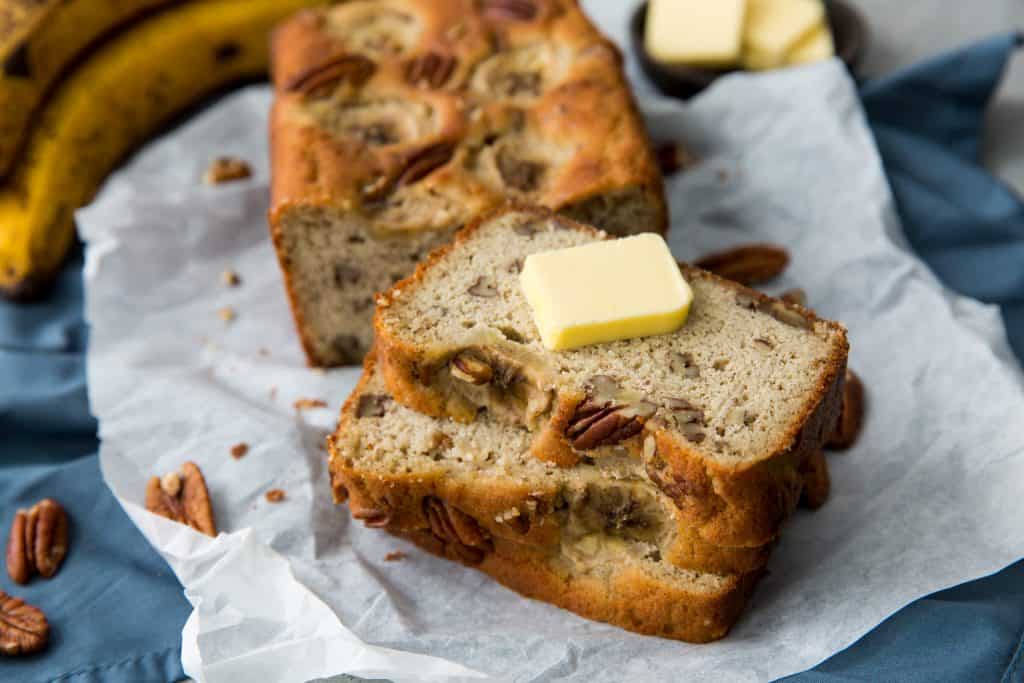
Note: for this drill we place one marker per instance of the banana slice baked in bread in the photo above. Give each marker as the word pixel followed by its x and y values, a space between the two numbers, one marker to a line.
pixel 395 122
pixel 599 540
pixel 721 415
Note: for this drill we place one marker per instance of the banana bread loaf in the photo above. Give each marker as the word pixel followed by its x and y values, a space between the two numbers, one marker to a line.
pixel 602 542
pixel 723 414
pixel 397 121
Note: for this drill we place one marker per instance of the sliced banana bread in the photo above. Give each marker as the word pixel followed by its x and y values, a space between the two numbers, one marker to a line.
pixel 721 414
pixel 395 122
pixel 601 541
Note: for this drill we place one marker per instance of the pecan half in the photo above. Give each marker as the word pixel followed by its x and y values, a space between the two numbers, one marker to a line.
pixel 23 628
pixel 457 530
pixel 510 10
pixel 424 162
pixel 470 368
pixel 38 541
pixel 321 79
pixel 780 310
pixel 851 414
pixel 519 174
pixel 749 265
pixel 186 502
pixel 606 416
pixel 431 70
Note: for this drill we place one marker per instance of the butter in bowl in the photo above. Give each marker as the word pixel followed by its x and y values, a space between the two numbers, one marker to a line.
pixel 684 45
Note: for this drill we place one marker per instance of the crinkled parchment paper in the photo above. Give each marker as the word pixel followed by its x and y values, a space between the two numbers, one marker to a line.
pixel 930 497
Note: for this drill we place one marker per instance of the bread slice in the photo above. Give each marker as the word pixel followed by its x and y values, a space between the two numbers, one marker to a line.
pixel 395 123
pixel 722 414
pixel 602 542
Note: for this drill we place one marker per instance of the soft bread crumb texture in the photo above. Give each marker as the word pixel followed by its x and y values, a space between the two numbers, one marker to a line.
pixel 754 379
pixel 611 516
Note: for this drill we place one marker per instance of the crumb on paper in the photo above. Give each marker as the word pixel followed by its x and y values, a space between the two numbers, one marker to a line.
pixel 275 495
pixel 227 169
pixel 318 371
pixel 227 314
pixel 263 351
pixel 308 403
pixel 395 556
pixel 239 450
pixel 273 393
pixel 230 278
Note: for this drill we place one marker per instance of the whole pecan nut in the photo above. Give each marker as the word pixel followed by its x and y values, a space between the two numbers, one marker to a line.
pixel 182 497
pixel 851 414
pixel 749 265
pixel 38 541
pixel 23 628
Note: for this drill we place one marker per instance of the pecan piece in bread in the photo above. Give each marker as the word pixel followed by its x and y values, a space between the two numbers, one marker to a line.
pixel 321 79
pixel 457 530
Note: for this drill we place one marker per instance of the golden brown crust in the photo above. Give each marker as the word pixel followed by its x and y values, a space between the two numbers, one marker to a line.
pixel 736 505
pixel 578 120
pixel 629 598
pixel 395 500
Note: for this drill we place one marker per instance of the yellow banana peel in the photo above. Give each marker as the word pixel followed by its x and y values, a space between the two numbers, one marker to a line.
pixel 38 40
pixel 121 94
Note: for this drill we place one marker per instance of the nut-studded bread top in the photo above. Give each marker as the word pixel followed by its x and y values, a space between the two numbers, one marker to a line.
pixel 736 384
pixel 421 114
pixel 390 463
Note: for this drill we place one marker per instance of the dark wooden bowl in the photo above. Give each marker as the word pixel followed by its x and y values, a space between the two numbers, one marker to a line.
pixel 849 30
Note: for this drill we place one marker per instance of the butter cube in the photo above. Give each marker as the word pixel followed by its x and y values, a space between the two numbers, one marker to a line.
pixel 814 47
pixel 705 33
pixel 603 291
pixel 774 27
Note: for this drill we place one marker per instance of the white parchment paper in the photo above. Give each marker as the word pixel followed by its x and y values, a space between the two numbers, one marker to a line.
pixel 930 497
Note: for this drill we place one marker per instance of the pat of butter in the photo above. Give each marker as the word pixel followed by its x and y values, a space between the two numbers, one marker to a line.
pixel 695 32
pixel 600 292
pixel 814 47
pixel 774 27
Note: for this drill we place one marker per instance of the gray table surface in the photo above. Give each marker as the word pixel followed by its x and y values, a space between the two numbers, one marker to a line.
pixel 904 32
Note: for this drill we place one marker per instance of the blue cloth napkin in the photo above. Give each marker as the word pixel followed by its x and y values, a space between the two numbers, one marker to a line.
pixel 115 608
pixel 117 611
pixel 969 228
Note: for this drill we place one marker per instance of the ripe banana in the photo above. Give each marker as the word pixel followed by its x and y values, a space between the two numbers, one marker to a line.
pixel 110 104
pixel 38 39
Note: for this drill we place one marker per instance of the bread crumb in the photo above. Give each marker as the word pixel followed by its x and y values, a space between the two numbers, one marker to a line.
pixel 239 450
pixel 227 169
pixel 227 314
pixel 304 403
pixel 273 393
pixel 275 495
pixel 262 351
pixel 230 278
pixel 395 556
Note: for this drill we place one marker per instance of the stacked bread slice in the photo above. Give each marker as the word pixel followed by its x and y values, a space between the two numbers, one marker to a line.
pixel 639 482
